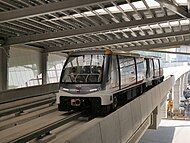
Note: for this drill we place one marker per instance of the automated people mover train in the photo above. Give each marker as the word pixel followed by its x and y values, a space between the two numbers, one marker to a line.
pixel 102 79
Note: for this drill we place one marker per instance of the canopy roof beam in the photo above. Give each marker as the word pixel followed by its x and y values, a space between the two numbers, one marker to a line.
pixel 169 52
pixel 119 41
pixel 46 9
pixel 95 29
pixel 156 46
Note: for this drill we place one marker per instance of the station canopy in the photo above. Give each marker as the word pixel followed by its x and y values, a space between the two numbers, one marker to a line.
pixel 63 25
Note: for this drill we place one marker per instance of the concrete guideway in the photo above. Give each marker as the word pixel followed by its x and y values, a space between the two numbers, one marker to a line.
pixel 25 104
pixel 37 127
pixel 26 98
pixel 124 125
pixel 127 124
pixel 26 116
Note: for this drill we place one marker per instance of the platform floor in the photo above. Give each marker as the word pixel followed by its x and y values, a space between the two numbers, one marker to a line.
pixel 169 131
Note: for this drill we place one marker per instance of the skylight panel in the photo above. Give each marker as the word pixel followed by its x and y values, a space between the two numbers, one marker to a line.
pixel 184 22
pixel 164 25
pixel 126 7
pixel 152 3
pixel 174 23
pixel 139 5
pixel 181 2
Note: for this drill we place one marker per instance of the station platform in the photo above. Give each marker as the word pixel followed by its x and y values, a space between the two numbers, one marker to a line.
pixel 169 131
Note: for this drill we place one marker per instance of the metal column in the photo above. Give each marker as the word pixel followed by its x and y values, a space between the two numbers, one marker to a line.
pixel 43 67
pixel 4 55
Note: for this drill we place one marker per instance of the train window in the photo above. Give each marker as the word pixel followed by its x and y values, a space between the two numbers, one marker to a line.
pixel 83 69
pixel 141 69
pixel 151 67
pixel 156 67
pixel 127 70
pixel 156 64
pixel 160 67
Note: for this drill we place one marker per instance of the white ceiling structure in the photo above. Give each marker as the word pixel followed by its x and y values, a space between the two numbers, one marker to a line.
pixel 64 25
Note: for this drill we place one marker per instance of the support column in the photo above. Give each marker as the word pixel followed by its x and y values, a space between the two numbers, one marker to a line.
pixel 4 55
pixel 182 85
pixel 43 68
pixel 186 79
pixel 156 118
pixel 177 92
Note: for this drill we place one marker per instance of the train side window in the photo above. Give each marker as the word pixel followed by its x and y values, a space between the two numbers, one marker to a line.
pixel 160 67
pixel 156 67
pixel 127 70
pixel 141 69
pixel 151 67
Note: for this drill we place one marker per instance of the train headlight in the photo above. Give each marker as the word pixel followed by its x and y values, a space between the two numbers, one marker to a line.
pixel 65 89
pixel 92 90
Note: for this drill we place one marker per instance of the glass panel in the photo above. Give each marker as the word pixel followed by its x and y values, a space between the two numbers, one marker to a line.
pixel 127 69
pixel 23 66
pixel 151 67
pixel 141 68
pixel 83 69
pixel 55 65
pixel 156 66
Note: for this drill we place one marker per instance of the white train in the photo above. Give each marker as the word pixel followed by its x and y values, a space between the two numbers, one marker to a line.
pixel 102 79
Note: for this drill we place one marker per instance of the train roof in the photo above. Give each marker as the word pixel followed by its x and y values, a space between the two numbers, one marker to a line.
pixel 110 52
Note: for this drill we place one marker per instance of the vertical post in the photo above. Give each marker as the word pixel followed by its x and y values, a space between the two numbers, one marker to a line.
pixel 4 55
pixel 186 79
pixel 184 86
pixel 177 92
pixel 44 59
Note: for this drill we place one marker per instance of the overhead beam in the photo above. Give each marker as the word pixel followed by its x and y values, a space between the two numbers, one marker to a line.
pixel 169 52
pixel 46 9
pixel 28 47
pixel 118 41
pixel 157 46
pixel 95 29
pixel 176 9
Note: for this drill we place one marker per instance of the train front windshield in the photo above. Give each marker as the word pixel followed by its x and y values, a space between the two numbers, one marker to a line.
pixel 83 69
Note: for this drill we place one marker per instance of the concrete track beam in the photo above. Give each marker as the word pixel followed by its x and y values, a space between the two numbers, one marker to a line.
pixel 126 124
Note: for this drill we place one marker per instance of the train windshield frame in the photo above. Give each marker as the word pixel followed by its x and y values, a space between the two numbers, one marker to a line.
pixel 83 69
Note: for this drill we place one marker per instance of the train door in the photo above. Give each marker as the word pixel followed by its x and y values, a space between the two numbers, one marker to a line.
pixel 127 71
pixel 141 69
pixel 160 67
pixel 156 68
pixel 151 68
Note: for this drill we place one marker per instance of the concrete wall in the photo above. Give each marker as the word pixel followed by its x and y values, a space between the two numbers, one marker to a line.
pixel 120 126
pixel 22 93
